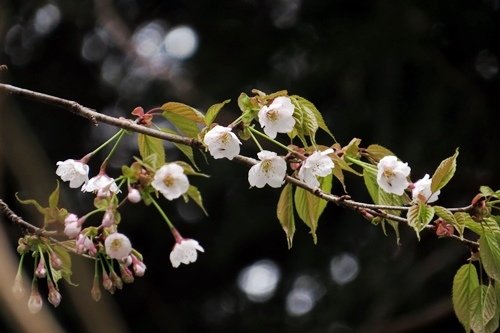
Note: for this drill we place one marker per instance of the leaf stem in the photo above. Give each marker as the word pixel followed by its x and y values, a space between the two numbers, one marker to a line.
pixel 162 213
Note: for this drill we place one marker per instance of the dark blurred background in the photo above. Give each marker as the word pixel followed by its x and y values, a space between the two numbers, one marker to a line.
pixel 419 77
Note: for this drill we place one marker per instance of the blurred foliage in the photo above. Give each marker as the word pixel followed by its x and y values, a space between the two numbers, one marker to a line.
pixel 419 77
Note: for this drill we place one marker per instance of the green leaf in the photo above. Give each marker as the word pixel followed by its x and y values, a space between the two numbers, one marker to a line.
pixel 444 172
pixel 213 111
pixel 486 191
pixel 419 216
pixel 54 197
pixel 151 150
pixel 352 148
pixel 65 272
pixel 310 207
pixel 306 122
pixel 285 213
pixel 185 149
pixel 185 118
pixel 195 195
pixel 465 284
pixel 484 306
pixel 313 112
pixel 188 169
pixel 466 220
pixel 490 253
pixel 370 178
pixel 33 202
pixel 377 152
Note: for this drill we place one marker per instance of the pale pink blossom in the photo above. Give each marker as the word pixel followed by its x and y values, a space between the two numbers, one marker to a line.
pixel 76 172
pixel 185 252
pixel 102 185
pixel 170 181
pixel 318 164
pixel 422 190
pixel 117 246
pixel 270 170
pixel 392 175
pixel 277 117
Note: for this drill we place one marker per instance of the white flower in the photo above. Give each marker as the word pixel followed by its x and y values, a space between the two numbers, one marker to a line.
pixel 319 164
pixel 76 172
pixel 117 246
pixel 171 181
pixel 134 196
pixel 391 176
pixel 222 142
pixel 271 170
pixel 422 190
pixel 185 252
pixel 101 184
pixel 277 117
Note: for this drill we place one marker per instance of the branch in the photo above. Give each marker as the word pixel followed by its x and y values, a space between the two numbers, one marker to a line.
pixel 40 232
pixel 96 117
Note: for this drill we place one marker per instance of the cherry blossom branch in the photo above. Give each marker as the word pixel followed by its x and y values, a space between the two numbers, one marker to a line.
pixel 40 232
pixel 96 117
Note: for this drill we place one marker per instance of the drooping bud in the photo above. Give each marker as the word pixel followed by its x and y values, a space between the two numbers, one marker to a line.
pixel 35 301
pixel 479 208
pixel 54 295
pixel 41 270
pixel 126 274
pixel 138 266
pixel 134 196
pixel 18 287
pixel 117 281
pixel 107 283
pixel 55 261
pixel 108 219
pixel 95 292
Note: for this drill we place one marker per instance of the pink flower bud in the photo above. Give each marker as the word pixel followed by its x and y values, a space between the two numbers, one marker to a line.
pixel 108 219
pixel 71 218
pixel 126 274
pixel 107 283
pixel 72 229
pixel 35 301
pixel 117 281
pixel 138 266
pixel 54 295
pixel 41 271
pixel 55 261
pixel 134 196
pixel 18 287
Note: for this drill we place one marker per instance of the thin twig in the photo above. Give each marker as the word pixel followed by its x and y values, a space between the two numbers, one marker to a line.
pixel 97 117
pixel 40 232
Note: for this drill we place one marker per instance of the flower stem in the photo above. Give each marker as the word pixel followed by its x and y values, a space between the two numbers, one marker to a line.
pixel 361 163
pixel 253 130
pixel 119 133
pixel 162 213
pixel 118 136
pixel 237 121
pixel 256 141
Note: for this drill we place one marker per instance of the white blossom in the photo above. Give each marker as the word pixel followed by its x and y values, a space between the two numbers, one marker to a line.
pixel 185 252
pixel 222 142
pixel 76 172
pixel 35 301
pixel 271 170
pixel 171 181
pixel 422 190
pixel 117 246
pixel 101 184
pixel 277 117
pixel 319 164
pixel 392 175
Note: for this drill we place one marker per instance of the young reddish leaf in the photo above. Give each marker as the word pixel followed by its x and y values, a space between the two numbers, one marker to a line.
pixel 213 111
pixel 465 284
pixel 285 213
pixel 448 217
pixel 444 172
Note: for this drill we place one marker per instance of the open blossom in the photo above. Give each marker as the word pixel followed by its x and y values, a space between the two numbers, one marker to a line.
pixel 319 164
pixel 101 184
pixel 117 246
pixel 271 170
pixel 222 142
pixel 277 117
pixel 171 181
pixel 184 252
pixel 392 174
pixel 422 190
pixel 74 172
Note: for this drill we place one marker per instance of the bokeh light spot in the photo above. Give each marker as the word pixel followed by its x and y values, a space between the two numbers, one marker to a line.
pixel 181 42
pixel 344 268
pixel 259 280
